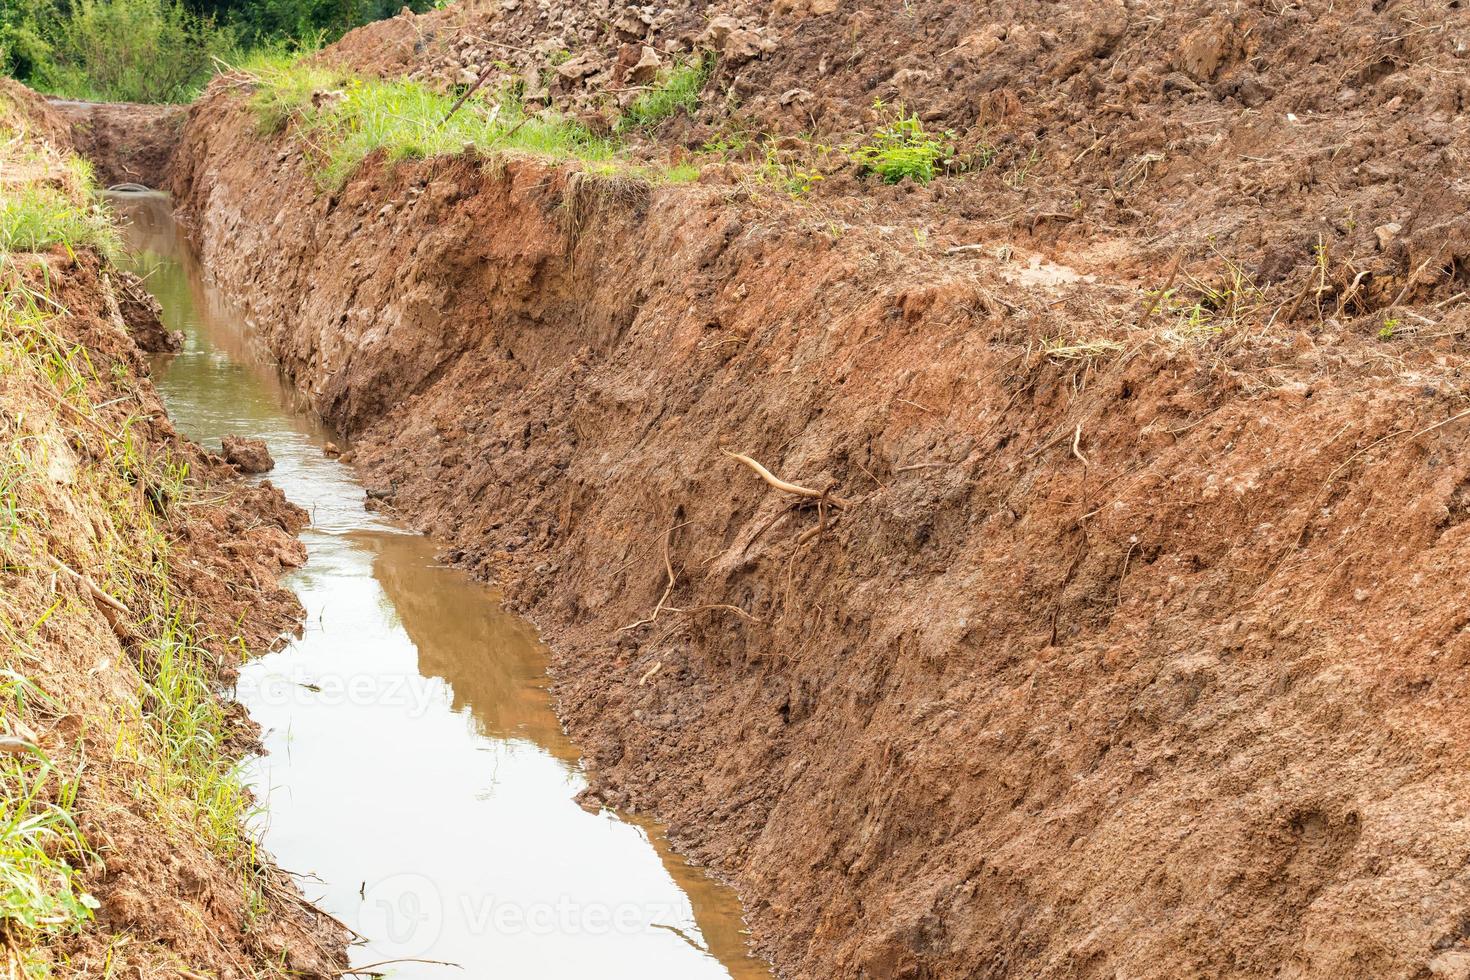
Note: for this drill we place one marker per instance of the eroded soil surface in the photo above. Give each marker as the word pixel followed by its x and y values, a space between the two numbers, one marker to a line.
pixel 1137 649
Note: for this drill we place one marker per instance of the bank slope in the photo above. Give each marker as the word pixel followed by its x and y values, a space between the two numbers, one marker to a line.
pixel 136 570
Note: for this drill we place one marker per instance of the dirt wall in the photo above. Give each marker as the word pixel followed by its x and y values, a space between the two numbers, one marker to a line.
pixel 1140 661
pixel 130 143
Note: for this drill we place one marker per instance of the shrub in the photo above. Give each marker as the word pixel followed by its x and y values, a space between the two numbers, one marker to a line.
pixel 900 147
pixel 118 50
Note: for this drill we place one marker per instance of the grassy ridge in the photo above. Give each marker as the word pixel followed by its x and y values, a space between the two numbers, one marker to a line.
pixel 170 741
pixel 345 117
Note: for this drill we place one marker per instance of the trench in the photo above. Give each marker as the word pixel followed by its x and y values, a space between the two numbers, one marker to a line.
pixel 414 772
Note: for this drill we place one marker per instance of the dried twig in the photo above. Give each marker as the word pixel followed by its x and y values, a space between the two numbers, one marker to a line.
pixel 469 92
pixel 1077 444
pixel 92 588
pixel 1160 296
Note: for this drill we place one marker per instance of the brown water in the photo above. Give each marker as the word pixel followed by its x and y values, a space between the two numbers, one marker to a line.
pixel 415 767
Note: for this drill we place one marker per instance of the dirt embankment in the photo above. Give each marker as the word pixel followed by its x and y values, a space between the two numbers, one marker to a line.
pixel 137 568
pixel 1262 132
pixel 1145 659
pixel 129 143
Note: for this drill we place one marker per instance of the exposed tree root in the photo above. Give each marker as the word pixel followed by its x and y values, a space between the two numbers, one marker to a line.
pixel 783 485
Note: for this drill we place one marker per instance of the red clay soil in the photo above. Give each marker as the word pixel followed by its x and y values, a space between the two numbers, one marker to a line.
pixel 1258 130
pixel 170 904
pixel 1134 646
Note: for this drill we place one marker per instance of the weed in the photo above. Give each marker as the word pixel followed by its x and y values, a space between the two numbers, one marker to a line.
pixel 902 148
pixel 728 146
pixel 39 842
pixel 791 176
pixel 677 89
pixel 1203 308
pixel 1016 177
pixel 1389 328
pixel 186 726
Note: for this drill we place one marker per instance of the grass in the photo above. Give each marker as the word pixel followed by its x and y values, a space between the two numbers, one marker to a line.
pixel 345 118
pixel 49 199
pixel 39 839
pixel 677 89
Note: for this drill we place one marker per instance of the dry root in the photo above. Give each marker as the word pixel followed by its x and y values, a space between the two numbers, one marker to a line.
pixel 792 488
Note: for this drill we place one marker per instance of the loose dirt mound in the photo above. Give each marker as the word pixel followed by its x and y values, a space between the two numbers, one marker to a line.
pixel 1137 647
pixel 1279 137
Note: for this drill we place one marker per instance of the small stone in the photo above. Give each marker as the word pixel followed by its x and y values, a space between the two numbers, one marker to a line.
pixel 578 68
pixel 647 66
pixel 247 455
pixel 1387 234
pixel 719 28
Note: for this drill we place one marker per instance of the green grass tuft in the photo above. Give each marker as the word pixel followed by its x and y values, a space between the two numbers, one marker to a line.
pixel 33 218
pixel 677 89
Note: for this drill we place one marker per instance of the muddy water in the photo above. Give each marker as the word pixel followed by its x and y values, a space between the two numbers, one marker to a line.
pixel 414 768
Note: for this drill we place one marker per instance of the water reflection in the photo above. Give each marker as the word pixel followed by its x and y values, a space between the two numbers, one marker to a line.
pixel 414 764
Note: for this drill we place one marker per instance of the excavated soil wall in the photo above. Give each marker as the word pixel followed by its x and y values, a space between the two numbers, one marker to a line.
pixel 1145 664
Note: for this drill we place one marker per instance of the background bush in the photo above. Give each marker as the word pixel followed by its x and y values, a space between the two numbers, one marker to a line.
pixel 160 50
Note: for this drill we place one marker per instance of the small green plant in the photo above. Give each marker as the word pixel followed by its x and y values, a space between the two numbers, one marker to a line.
pixel 727 145
pixel 1203 308
pixel 39 842
pixel 677 89
pixel 793 178
pixel 1389 328
pixel 901 148
pixel 1016 177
